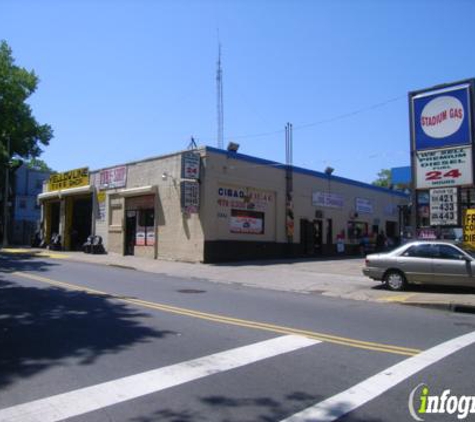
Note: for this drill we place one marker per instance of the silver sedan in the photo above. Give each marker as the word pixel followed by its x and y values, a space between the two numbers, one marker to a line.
pixel 422 262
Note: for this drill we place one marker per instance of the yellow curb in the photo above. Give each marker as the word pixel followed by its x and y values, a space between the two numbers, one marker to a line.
pixel 44 254
pixel 396 298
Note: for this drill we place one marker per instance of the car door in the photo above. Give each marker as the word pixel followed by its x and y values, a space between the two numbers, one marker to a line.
pixel 452 267
pixel 416 263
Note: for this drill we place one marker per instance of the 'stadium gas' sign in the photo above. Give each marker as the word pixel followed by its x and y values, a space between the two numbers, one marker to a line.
pixel 441 136
pixel 69 179
pixel 441 118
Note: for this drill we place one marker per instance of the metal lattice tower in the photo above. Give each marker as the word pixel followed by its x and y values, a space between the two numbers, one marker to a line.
pixel 219 91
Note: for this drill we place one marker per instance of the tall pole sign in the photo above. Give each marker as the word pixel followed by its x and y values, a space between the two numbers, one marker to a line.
pixel 442 134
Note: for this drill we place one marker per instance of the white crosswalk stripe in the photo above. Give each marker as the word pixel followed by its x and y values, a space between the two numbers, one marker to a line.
pixel 79 402
pixel 339 405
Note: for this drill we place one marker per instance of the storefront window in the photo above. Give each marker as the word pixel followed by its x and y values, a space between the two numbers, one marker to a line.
pixel 145 235
pixel 357 230
pixel 249 222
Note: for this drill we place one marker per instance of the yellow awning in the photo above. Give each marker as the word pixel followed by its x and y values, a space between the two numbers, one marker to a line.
pixel 58 194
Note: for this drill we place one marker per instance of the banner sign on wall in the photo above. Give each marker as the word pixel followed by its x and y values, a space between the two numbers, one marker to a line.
pixel 445 167
pixel 190 165
pixel 329 200
pixel 69 179
pixel 443 207
pixel 113 178
pixel 249 222
pixel 442 118
pixel 363 206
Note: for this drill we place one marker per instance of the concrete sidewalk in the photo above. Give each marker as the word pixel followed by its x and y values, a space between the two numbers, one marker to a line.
pixel 337 277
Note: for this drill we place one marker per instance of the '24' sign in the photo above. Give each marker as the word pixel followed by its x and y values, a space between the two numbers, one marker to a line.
pixel 439 175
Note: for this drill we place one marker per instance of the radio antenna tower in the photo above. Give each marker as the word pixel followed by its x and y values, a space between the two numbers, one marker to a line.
pixel 219 91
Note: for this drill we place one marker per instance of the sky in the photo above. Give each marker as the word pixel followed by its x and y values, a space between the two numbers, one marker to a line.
pixel 124 80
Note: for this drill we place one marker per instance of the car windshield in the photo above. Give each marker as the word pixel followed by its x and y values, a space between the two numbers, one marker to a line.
pixel 467 249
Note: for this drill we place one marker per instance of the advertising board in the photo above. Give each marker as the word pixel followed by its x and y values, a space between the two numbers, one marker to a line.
pixel 113 178
pixel 69 179
pixel 190 165
pixel 442 117
pixel 444 167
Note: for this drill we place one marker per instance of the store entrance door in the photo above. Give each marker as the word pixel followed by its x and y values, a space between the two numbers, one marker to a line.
pixel 130 232
pixel 318 236
pixel 81 222
pixel 55 210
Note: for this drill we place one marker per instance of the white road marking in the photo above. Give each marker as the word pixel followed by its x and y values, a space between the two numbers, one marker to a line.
pixel 84 400
pixel 339 405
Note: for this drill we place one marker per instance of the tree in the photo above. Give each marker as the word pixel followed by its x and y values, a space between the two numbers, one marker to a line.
pixel 37 164
pixel 20 134
pixel 384 179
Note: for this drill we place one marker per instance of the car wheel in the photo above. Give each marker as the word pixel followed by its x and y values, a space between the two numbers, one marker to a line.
pixel 395 280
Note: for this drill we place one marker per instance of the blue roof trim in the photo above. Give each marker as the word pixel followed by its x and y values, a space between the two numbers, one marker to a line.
pixel 314 173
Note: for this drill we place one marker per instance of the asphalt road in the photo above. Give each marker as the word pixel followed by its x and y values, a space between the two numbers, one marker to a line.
pixel 93 343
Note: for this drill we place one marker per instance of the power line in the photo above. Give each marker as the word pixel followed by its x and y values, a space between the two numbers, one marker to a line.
pixel 323 121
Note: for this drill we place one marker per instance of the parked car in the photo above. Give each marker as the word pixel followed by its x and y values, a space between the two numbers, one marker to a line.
pixel 422 262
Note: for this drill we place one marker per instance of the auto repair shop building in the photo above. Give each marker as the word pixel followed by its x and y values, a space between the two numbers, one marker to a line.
pixel 213 205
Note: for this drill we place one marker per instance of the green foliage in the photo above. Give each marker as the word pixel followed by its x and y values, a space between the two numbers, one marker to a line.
pixel 17 123
pixel 37 164
pixel 384 179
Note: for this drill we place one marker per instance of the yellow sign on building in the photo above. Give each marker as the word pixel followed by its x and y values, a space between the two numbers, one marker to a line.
pixel 69 179
pixel 469 228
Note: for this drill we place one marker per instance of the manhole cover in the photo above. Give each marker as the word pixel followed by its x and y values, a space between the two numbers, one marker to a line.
pixel 191 291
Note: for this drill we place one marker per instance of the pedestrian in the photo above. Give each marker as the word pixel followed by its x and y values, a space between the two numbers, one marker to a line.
pixel 380 241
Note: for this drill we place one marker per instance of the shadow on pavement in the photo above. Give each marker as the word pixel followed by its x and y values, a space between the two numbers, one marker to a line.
pixel 262 409
pixel 23 262
pixel 430 288
pixel 287 261
pixel 41 327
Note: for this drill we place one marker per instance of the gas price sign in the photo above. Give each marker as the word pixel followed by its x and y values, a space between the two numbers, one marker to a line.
pixel 443 207
pixel 447 167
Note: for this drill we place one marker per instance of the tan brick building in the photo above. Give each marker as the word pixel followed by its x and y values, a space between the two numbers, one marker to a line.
pixel 213 205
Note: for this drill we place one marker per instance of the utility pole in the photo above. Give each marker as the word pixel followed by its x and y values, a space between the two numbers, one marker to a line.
pixel 5 197
pixel 220 106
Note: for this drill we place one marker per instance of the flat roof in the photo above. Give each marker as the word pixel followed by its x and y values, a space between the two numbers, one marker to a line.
pixel 300 170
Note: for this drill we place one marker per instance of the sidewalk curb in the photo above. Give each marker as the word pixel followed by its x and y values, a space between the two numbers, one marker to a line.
pixel 451 305
pixel 441 306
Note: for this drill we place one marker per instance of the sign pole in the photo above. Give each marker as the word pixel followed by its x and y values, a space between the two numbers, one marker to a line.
pixel 5 198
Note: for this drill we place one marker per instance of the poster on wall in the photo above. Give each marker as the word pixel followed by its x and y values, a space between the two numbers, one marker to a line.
pixel 443 207
pixel 444 167
pixel 249 222
pixel 140 236
pixel 101 202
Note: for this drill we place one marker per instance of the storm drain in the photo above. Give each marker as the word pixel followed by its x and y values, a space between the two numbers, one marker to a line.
pixel 191 291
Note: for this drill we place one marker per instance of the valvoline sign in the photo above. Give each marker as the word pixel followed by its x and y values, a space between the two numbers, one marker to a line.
pixel 442 118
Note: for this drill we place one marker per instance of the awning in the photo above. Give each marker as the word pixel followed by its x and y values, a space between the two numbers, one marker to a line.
pixel 58 194
pixel 142 190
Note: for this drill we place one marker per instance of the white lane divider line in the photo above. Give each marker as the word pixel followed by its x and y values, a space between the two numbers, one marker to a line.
pixel 339 405
pixel 84 400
